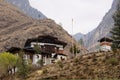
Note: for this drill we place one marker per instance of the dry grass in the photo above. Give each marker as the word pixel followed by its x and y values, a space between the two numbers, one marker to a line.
pixel 90 66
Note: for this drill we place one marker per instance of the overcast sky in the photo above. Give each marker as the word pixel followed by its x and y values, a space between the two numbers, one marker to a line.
pixel 86 14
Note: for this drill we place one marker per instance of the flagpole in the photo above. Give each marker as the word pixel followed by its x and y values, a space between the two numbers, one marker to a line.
pixel 72 38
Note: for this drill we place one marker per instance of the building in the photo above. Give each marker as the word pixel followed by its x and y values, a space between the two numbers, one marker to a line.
pixel 105 44
pixel 46 48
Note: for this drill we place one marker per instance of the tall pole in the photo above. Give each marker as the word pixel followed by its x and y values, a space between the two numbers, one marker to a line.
pixel 72 38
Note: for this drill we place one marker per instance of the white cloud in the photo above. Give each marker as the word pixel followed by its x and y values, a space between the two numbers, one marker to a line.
pixel 87 14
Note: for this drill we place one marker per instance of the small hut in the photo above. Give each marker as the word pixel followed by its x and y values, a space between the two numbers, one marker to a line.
pixel 105 44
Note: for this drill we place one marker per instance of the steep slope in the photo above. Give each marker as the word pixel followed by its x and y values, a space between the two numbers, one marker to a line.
pixel 95 66
pixel 103 29
pixel 16 28
pixel 24 5
pixel 78 36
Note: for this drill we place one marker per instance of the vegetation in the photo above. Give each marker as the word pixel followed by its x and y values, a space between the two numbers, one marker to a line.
pixel 23 66
pixel 75 50
pixel 60 64
pixel 8 62
pixel 116 30
pixel 40 62
pixel 44 71
pixel 81 42
pixel 112 61
pixel 37 49
pixel 90 66
pixel 76 60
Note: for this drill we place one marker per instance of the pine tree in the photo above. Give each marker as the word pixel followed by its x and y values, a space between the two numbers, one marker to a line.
pixel 23 67
pixel 75 50
pixel 81 42
pixel 116 29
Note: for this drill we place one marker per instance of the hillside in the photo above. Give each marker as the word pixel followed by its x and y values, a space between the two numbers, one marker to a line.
pixel 16 28
pixel 90 66
pixel 102 30
pixel 26 8
pixel 78 36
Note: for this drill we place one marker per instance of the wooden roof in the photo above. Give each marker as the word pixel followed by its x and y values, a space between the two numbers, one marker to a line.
pixel 105 39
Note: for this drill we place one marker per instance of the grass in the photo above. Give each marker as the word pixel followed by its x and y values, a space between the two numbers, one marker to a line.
pixel 60 64
pixel 112 61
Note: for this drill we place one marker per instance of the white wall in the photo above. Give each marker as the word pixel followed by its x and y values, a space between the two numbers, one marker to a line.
pixel 63 57
pixel 36 58
pixel 42 44
pixel 105 48
pixel 47 61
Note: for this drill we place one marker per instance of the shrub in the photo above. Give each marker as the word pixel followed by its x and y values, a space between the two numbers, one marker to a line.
pixel 94 59
pixel 7 62
pixel 40 62
pixel 23 67
pixel 60 64
pixel 76 60
pixel 112 61
pixel 44 71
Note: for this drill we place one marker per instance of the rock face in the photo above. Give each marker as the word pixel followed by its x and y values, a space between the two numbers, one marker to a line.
pixel 24 5
pixel 78 36
pixel 102 30
pixel 16 28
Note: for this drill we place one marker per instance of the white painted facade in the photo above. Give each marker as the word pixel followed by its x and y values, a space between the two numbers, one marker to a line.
pixel 59 57
pixel 105 48
pixel 42 44
pixel 46 60
pixel 36 58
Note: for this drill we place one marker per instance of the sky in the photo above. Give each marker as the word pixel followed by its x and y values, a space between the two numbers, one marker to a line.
pixel 86 14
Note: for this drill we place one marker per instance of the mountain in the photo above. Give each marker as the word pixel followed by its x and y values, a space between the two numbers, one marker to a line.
pixel 16 28
pixel 103 29
pixel 24 5
pixel 78 36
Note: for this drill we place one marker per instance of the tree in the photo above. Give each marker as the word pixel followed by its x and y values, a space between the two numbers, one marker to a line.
pixel 116 29
pixel 81 42
pixel 8 61
pixel 23 67
pixel 74 49
pixel 37 49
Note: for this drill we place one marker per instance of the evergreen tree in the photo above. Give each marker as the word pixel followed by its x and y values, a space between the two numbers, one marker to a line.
pixel 75 50
pixel 37 49
pixel 81 42
pixel 23 67
pixel 116 29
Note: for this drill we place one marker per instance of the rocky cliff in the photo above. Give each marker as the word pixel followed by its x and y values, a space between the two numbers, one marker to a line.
pixel 24 5
pixel 16 28
pixel 102 30
pixel 78 36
